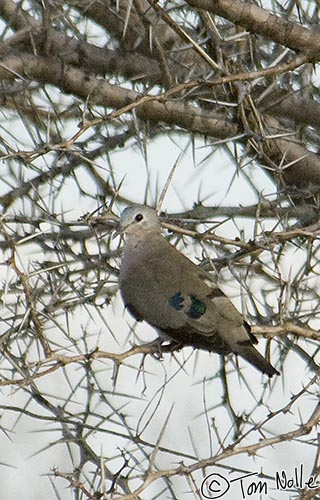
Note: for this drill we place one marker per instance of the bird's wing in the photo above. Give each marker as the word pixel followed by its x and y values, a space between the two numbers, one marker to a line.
pixel 163 287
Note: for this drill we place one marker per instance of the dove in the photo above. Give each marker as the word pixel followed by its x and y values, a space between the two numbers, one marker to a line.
pixel 161 286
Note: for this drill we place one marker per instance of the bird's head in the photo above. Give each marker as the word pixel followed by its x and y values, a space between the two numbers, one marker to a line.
pixel 137 219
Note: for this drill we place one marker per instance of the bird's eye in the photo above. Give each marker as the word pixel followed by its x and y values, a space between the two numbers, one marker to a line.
pixel 139 217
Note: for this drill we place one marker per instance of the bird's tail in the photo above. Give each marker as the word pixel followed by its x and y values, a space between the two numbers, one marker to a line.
pixel 256 359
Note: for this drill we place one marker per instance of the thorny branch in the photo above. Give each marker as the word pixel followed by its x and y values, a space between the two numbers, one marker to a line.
pixel 89 90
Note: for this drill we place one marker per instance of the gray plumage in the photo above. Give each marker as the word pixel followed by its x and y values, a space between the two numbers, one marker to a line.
pixel 163 287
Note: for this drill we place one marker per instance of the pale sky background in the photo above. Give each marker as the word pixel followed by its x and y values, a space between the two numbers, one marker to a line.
pixel 26 457
pixel 185 393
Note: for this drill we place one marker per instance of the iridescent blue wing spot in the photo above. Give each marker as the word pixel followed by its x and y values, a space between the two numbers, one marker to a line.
pixel 176 301
pixel 197 308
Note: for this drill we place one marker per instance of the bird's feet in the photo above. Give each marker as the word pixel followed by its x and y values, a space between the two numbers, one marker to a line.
pixel 161 345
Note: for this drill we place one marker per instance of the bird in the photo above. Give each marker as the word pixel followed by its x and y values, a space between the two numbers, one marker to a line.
pixel 163 287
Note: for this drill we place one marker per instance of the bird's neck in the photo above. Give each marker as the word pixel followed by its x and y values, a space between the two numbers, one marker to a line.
pixel 142 239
